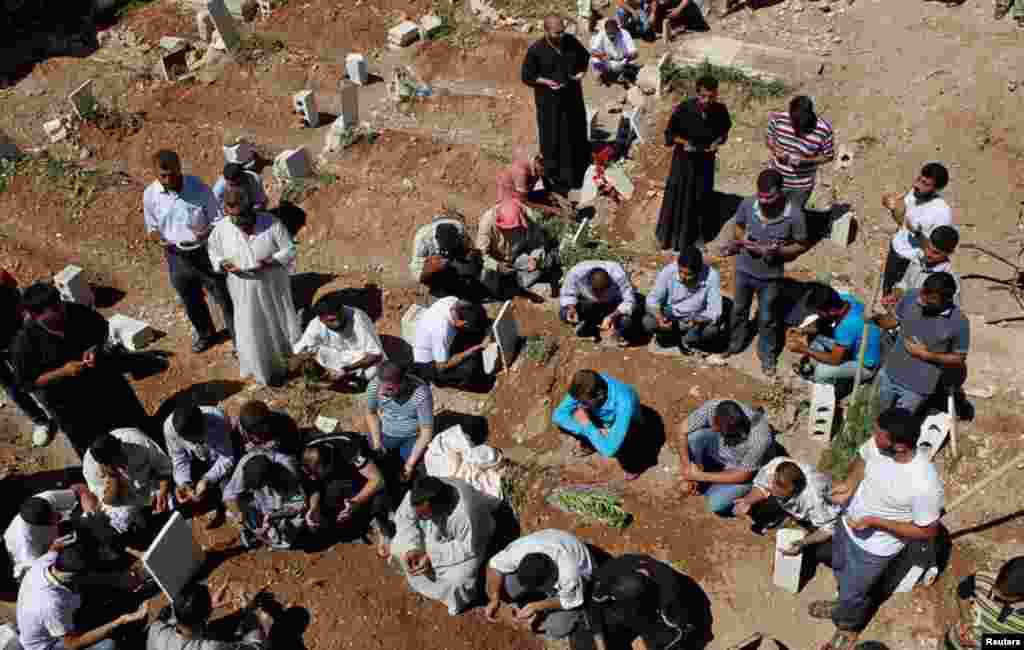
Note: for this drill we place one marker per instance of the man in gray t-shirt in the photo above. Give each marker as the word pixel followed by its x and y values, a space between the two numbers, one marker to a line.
pixel 769 232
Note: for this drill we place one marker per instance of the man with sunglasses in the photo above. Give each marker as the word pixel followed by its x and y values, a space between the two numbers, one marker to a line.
pixel 995 606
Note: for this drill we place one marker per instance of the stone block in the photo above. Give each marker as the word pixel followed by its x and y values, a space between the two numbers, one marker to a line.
pixel 404 34
pixel 225 23
pixel 430 25
pixel 823 409
pixel 506 334
pixel 755 59
pixel 842 229
pixel 349 104
pixel 174 65
pixel 205 26
pixel 82 100
pixel 355 66
pixel 305 103
pixel 934 431
pixel 131 333
pixel 171 43
pixel 73 287
pixel 242 152
pixel 787 569
pixel 56 129
pixel 409 319
pixel 174 557
pixel 292 163
pixel 326 425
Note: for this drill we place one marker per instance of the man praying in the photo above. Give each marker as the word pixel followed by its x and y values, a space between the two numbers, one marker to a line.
pixel 344 343
pixel 613 54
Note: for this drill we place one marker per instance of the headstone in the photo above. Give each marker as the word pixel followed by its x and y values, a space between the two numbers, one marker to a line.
pixel 430 25
pixel 305 103
pixel 131 333
pixel 349 104
pixel 591 118
pixel 326 425
pixel 242 152
pixel 171 43
pixel 56 129
pixel 292 163
pixel 73 287
pixel 9 638
pixel 355 66
pixel 934 431
pixel 82 100
pixel 636 119
pixel 490 356
pixel 174 558
pixel 842 229
pixel 403 34
pixel 204 23
pixel 409 319
pixel 224 22
pixel 788 568
pixel 588 193
pixel 174 64
pixel 823 409
pixel 506 334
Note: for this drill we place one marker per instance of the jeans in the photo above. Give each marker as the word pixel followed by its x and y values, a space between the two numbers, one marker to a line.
pixel 769 321
pixel 857 572
pixel 703 446
pixel 842 375
pixel 697 336
pixel 23 399
pixel 798 197
pixel 554 624
pixel 891 394
pixel 591 314
pixel 191 273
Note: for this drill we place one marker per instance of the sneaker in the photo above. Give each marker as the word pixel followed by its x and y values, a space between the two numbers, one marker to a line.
pixel 200 342
pixel 42 435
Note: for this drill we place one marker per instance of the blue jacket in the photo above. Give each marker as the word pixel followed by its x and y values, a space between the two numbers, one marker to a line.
pixel 615 415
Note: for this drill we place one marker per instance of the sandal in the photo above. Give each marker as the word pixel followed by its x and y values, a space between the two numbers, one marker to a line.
pixel 822 609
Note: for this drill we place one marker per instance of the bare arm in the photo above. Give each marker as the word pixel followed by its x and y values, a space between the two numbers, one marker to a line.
pixel 494 583
pixel 422 440
pixel 902 529
pixel 793 250
pixel 368 361
pixel 373 423
pixel 739 233
pixel 727 476
pixel 885 321
pixel 373 485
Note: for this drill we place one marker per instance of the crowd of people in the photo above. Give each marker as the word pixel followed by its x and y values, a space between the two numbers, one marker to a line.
pixel 280 485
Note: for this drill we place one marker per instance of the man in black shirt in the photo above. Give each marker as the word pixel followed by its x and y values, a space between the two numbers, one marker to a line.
pixel 10 322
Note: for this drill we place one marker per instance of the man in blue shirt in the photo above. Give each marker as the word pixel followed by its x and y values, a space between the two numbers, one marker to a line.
pixel 685 307
pixel 838 334
pixel 598 411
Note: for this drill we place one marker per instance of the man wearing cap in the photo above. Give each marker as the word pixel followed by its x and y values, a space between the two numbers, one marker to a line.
pixel 235 175
pixel 444 260
pixel 344 343
pixel 517 253
pixel 442 530
pixel 199 442
pixel 543 576
pixel 400 416
pixel 450 337
pixel 180 212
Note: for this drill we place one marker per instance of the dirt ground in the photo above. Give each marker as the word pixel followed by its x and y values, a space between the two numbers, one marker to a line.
pixel 910 82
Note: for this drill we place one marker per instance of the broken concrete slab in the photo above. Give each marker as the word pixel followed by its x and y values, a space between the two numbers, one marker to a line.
pixel 174 557
pixel 349 92
pixel 292 163
pixel 843 229
pixel 934 431
pixel 991 346
pixel 225 23
pixel 823 410
pixel 305 104
pixel 430 26
pixel 57 129
pixel 171 43
pixel 133 334
pixel 754 59
pixel 82 100
pixel 404 34
pixel 73 286
pixel 174 65
pixel 355 66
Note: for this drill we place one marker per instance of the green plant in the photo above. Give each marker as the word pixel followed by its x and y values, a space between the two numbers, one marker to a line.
pixel 8 170
pixel 327 178
pixel 515 484
pixel 604 508
pixel 680 79
pixel 586 247
pixel 858 425
pixel 126 6
pixel 536 9
pixel 540 349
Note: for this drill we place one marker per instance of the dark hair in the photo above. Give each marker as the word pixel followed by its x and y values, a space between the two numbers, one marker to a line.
pixel 193 605
pixel 611 22
pixel 472 314
pixel 255 417
pixel 426 489
pixel 166 159
pixel 235 197
pixel 39 297
pixel 628 587
pixel 187 420
pixel 105 449
pixel 256 472
pixel 390 372
pixel 941 283
pixel 902 426
pixel 600 280
pixel 801 115
pixel 588 385
pixel 791 473
pixel 36 511
pixel 770 180
pixel 537 572
pixel 72 559
pixel 937 173
pixel 233 172
pixel 731 418
pixel 447 236
pixel 691 258
pixel 945 238
pixel 707 82
pixel 327 307
pixel 325 453
pixel 1010 579
pixel 821 297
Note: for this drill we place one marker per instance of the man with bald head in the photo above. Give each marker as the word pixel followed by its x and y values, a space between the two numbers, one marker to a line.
pixel 554 67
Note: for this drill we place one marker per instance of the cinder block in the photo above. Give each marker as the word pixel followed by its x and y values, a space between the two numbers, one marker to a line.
pixel 355 66
pixel 404 34
pixel 293 163
pixel 823 409
pixel 409 320
pixel 430 25
pixel 788 569
pixel 224 22
pixel 174 557
pixel 349 104
pixel 56 129
pixel 326 425
pixel 73 287
pixel 131 333
pixel 305 103
pixel 82 100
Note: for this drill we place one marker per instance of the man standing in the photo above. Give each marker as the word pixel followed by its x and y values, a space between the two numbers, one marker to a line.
pixel 598 297
pixel 555 67
pixel 685 307
pixel 917 213
pixel 344 342
pixel 770 231
pixel 444 260
pixel 448 346
pixel 933 258
pixel 59 353
pixel 442 530
pixel 893 495
pixel 400 416
pixel 612 53
pixel 726 442
pixel 180 212
pixel 254 248
pixel 235 175
pixel 931 352
pixel 799 142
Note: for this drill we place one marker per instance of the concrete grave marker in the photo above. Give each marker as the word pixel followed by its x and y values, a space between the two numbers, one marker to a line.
pixel 788 569
pixel 326 425
pixel 823 409
pixel 355 66
pixel 204 23
pixel 591 119
pixel 934 431
pixel 56 129
pixel 225 23
pixel 589 190
pixel 490 356
pixel 174 557
pixel 404 34
pixel 349 104
pixel 292 163
pixel 82 100
pixel 174 65
pixel 131 333
pixel 430 25
pixel 636 123
pixel 306 104
pixel 506 334
pixel 73 287
pixel 842 229
pixel 409 319
pixel 171 43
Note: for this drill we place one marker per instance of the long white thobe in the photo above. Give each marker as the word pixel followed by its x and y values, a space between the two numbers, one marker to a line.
pixel 266 324
pixel 456 543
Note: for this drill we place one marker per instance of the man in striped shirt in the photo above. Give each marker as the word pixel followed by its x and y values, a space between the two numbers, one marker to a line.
pixel 996 606
pixel 400 415
pixel 799 142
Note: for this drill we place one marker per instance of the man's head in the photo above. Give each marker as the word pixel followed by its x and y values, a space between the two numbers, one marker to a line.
pixel 611 27
pixel 690 263
pixel 187 421
pixel 42 302
pixel 468 316
pixel 427 496
pixel 801 115
pixel 788 481
pixel 333 316
pixel 937 293
pixel 193 606
pixel 589 389
pixel 554 29
pixel 390 378
pixel 233 174
pixel 940 245
pixel 824 301
pixel 1009 585
pixel 257 421
pixel 932 179
pixel 168 169
pixel 537 573
pixel 601 285
pixel 106 450
pixel 37 511
pixel 897 433
pixel 260 472
pixel 318 461
pixel 707 91
pixel 449 241
pixel 769 190
pixel 71 561
pixel 631 587
pixel 236 207
pixel 730 421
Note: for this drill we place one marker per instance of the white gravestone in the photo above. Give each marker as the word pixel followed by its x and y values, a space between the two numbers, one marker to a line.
pixel 355 66
pixel 326 425
pixel 842 228
pixel 409 319
pixel 404 34
pixel 823 409
pixel 132 334
pixel 224 22
pixel 429 26
pixel 73 287
pixel 788 568
pixel 242 152
pixel 56 129
pixel 934 431
pixel 305 103
pixel 506 334
pixel 174 557
pixel 82 100
pixel 349 104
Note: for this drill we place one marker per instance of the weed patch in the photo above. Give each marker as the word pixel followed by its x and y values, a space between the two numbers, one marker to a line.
pixel 680 79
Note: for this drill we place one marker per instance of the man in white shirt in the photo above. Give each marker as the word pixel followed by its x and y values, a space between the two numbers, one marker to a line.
pixel 597 296
pixel 893 495
pixel 449 342
pixel 544 575
pixel 180 212
pixel 34 530
pixel 612 54
pixel 235 175
pixel 917 213
pixel 344 342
